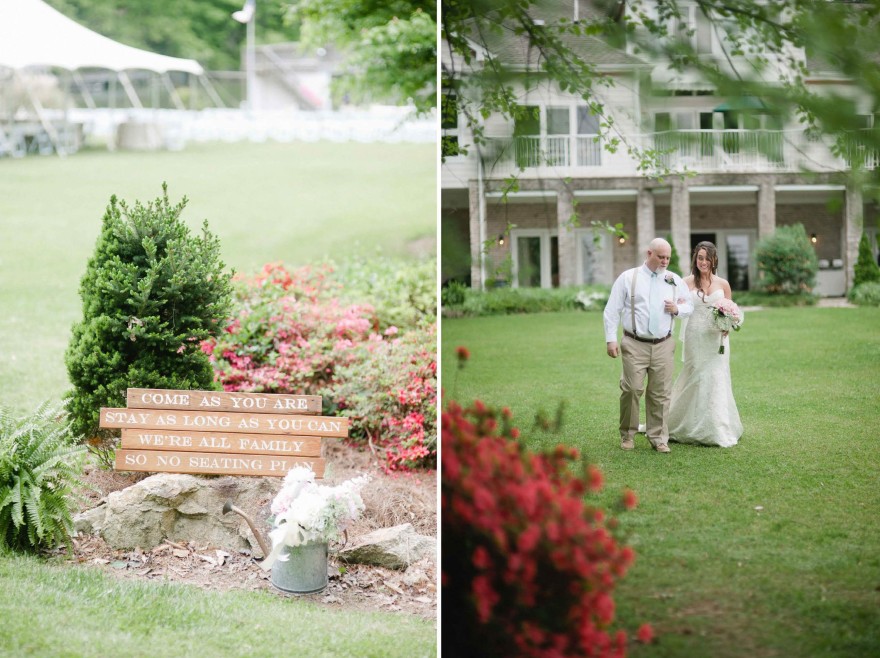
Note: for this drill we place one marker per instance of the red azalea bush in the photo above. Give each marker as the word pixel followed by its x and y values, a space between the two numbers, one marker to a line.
pixel 294 334
pixel 528 566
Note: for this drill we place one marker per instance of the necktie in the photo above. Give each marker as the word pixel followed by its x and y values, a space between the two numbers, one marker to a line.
pixel 653 311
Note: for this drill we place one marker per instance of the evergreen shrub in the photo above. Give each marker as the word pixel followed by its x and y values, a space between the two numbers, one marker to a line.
pixel 866 269
pixel 674 262
pixel 40 466
pixel 787 262
pixel 152 291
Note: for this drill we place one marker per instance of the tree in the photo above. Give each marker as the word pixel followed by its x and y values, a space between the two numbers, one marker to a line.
pixel 391 47
pixel 866 268
pixel 151 293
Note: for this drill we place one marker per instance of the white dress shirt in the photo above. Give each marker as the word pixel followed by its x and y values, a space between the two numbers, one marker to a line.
pixel 619 303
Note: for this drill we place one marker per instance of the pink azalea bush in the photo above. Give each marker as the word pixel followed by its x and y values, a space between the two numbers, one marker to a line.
pixel 295 333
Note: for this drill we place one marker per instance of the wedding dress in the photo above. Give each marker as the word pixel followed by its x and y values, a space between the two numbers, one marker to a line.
pixel 702 409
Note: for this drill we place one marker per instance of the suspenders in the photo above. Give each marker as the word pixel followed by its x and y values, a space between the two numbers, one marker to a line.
pixel 632 300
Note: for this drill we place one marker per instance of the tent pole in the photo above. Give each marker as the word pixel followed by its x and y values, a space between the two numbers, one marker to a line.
pixel 86 94
pixel 41 113
pixel 212 93
pixel 129 90
pixel 175 97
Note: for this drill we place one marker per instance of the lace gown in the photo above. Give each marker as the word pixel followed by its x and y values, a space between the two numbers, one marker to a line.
pixel 702 409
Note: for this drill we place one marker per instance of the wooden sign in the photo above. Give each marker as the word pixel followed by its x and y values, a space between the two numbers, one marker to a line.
pixel 150 398
pixel 220 433
pixel 222 420
pixel 246 444
pixel 159 461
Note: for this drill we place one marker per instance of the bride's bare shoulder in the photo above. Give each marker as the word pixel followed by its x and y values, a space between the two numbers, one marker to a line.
pixel 689 280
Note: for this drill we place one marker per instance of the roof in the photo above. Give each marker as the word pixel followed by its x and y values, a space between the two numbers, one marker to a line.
pixel 34 34
pixel 517 52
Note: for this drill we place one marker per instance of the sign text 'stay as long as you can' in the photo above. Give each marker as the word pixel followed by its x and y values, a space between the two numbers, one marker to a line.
pixel 231 422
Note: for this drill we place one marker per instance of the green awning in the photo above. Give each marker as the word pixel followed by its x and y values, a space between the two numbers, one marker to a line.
pixel 741 103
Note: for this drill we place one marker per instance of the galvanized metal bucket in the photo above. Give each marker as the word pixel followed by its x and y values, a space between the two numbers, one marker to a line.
pixel 304 571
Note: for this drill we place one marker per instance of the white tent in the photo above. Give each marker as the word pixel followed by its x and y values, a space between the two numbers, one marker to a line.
pixel 34 34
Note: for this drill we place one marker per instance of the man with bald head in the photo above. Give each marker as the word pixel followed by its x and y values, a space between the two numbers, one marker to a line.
pixel 646 300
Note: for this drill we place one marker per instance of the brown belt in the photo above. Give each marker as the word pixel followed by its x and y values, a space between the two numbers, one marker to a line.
pixel 653 341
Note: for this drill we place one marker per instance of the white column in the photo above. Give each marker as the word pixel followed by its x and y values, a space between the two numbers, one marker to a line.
pixel 852 231
pixel 680 219
pixel 766 208
pixel 645 225
pixel 567 243
pixel 476 212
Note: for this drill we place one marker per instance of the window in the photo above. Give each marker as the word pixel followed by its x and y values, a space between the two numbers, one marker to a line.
pixel 588 123
pixel 662 122
pixel 449 145
pixel 589 149
pixel 535 258
pixel 558 121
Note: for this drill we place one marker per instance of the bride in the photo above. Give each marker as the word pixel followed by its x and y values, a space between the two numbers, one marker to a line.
pixel 702 409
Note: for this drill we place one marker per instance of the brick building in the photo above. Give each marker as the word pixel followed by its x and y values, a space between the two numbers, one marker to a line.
pixel 748 172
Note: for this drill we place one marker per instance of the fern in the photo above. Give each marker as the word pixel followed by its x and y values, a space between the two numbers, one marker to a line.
pixel 40 470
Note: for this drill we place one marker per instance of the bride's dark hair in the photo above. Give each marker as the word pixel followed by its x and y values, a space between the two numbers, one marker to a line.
pixel 712 255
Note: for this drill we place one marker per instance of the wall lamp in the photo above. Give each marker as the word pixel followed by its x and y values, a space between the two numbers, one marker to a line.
pixel 501 239
pixel 621 240
pixel 814 238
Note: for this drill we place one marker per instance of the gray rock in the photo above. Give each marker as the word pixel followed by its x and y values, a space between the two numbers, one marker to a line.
pixel 181 508
pixel 393 548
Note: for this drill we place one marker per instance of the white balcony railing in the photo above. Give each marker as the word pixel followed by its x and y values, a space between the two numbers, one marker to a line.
pixel 702 151
pixel 546 151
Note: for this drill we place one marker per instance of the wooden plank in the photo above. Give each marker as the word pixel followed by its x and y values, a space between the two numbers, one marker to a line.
pixel 258 403
pixel 166 461
pixel 247 444
pixel 226 421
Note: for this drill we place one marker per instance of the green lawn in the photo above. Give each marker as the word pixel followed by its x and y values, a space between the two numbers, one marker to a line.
pixel 62 612
pixel 715 575
pixel 296 203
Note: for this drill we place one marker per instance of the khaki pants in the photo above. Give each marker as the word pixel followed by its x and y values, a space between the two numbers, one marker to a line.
pixel 657 363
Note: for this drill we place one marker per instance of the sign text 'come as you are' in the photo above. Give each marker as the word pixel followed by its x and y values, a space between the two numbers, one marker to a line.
pixel 220 433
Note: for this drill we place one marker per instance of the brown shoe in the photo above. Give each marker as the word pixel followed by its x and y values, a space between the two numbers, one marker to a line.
pixel 627 444
pixel 661 447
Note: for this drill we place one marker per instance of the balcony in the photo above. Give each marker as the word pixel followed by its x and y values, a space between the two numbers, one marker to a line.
pixel 700 151
pixel 528 152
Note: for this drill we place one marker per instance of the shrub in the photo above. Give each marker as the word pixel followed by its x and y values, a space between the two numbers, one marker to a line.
pixel 150 294
pixel 674 264
pixel 390 394
pixel 292 334
pixel 787 261
pixel 453 294
pixel 403 294
pixel 528 567
pixel 504 301
pixel 865 294
pixel 866 269
pixel 755 298
pixel 39 469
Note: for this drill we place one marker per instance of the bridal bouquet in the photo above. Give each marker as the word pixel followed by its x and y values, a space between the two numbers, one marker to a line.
pixel 726 316
pixel 308 512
